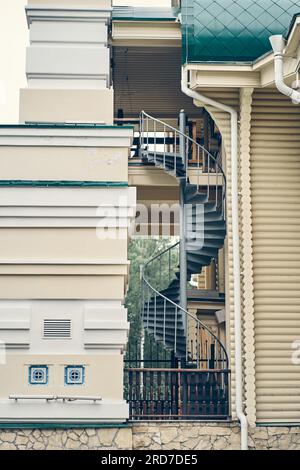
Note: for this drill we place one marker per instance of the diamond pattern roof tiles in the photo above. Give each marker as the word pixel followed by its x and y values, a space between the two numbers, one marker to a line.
pixel 233 30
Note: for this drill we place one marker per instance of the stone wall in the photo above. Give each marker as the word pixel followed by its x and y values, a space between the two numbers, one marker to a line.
pixel 151 436
pixel 197 436
pixel 185 436
pixel 70 439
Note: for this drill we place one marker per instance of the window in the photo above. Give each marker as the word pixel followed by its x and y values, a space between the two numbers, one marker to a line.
pixel 38 375
pixel 57 329
pixel 74 375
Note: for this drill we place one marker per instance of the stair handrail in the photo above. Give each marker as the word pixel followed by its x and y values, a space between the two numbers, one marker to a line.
pixel 159 255
pixel 187 314
pixel 188 139
pixel 146 283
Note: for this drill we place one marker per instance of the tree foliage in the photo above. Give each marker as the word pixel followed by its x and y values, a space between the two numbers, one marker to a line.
pixel 140 252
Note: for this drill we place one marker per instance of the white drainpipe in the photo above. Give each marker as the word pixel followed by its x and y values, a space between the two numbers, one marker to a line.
pixel 236 250
pixel 278 45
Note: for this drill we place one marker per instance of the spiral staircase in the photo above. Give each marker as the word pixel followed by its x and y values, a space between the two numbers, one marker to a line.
pixel 200 361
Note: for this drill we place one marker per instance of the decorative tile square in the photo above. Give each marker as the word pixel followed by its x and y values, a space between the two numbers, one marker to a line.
pixel 74 375
pixel 38 375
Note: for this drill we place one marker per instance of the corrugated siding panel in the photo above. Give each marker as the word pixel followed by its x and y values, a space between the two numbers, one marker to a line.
pixel 275 182
pixel 149 79
pixel 230 97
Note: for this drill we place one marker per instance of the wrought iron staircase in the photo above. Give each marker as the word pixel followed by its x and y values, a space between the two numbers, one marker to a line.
pixel 205 230
pixel 200 355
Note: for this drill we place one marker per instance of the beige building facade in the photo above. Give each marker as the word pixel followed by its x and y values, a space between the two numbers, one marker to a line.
pixel 66 210
pixel 69 187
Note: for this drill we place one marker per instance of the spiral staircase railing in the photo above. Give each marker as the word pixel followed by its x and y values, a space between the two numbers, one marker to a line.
pixel 203 348
pixel 202 371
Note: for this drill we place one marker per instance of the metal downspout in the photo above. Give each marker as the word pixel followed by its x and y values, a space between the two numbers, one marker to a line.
pixel 183 256
pixel 236 250
pixel 278 44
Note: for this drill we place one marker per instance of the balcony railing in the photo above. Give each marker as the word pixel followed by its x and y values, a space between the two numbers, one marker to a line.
pixel 177 394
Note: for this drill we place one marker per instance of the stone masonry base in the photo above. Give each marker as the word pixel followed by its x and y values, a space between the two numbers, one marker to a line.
pixel 151 436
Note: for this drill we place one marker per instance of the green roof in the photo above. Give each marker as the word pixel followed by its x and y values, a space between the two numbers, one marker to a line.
pixel 233 30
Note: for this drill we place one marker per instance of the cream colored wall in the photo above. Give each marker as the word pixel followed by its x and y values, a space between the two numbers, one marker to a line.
pixel 99 378
pixel 62 245
pixel 64 163
pixel 62 287
pixel 66 105
pixel 275 184
pixel 41 258
pixel 65 242
pixel 51 255
pixel 150 177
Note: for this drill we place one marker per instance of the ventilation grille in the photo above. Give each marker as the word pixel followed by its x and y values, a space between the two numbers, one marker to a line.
pixel 57 329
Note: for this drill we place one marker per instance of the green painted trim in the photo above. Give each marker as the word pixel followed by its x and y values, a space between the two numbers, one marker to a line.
pixel 61 426
pixel 65 184
pixel 38 125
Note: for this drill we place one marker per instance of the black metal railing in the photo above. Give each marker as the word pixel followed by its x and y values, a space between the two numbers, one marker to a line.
pixel 177 394
pixel 186 375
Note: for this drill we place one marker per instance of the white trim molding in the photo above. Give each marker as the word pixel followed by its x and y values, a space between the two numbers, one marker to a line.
pixel 68 47
pixel 55 13
pixel 63 412
pixel 66 136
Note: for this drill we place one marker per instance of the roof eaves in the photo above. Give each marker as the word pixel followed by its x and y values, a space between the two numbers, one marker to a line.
pixel 144 14
pixel 297 15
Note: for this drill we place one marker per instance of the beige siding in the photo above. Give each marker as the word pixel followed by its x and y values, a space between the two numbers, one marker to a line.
pixel 275 180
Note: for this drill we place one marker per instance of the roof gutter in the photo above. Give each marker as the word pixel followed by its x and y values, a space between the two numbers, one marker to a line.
pixel 278 45
pixel 236 249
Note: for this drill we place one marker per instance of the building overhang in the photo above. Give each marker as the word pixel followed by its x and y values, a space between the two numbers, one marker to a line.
pixel 143 33
pixel 257 74
pixel 134 26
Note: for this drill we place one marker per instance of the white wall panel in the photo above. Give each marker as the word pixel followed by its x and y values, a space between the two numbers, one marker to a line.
pixel 54 63
pixel 68 32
